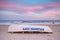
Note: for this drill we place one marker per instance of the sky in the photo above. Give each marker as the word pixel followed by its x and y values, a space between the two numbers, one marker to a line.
pixel 29 9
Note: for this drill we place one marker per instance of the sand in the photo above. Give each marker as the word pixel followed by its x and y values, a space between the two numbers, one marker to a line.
pixel 4 35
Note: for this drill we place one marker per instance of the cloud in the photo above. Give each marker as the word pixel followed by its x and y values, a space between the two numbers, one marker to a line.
pixel 45 15
pixel 28 8
pixel 48 14
pixel 8 13
pixel 20 7
pixel 30 14
pixel 55 4
pixel 52 11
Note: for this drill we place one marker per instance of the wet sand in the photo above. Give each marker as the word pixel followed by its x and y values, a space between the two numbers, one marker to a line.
pixel 4 35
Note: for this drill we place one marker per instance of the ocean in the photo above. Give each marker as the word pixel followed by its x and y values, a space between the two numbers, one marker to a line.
pixel 8 22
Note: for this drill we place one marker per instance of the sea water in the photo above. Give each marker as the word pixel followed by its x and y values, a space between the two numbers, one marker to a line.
pixel 8 22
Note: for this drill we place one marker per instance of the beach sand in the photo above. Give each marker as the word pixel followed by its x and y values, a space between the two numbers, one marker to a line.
pixel 4 35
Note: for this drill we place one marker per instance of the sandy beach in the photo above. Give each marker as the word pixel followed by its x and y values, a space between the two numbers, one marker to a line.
pixel 4 35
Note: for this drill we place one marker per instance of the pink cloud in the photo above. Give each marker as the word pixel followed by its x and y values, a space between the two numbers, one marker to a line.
pixel 56 4
pixel 19 7
pixel 52 12
pixel 27 8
